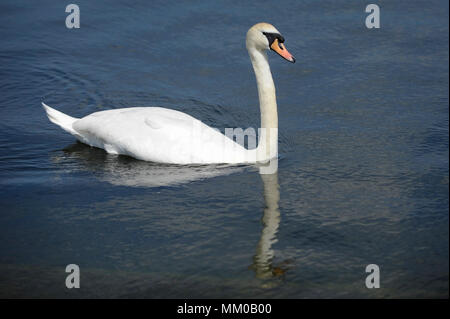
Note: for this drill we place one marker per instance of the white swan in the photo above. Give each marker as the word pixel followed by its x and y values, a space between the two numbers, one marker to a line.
pixel 168 136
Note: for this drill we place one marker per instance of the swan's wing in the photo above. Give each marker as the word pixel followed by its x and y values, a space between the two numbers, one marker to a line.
pixel 157 134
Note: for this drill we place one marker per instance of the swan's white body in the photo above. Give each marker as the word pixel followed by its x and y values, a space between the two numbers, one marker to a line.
pixel 169 136
pixel 153 134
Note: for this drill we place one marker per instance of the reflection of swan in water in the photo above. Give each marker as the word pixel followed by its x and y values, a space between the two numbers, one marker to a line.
pixel 262 260
pixel 126 171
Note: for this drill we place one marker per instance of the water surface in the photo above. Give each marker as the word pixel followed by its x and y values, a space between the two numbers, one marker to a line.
pixel 363 177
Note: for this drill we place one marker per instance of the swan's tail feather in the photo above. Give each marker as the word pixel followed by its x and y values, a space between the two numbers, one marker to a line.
pixel 60 119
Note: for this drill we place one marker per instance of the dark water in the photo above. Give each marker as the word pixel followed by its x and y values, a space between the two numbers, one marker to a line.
pixel 363 178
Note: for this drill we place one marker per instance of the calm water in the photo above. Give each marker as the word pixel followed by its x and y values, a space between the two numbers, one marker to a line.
pixel 363 178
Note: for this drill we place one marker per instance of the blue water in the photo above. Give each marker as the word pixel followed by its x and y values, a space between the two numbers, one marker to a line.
pixel 363 178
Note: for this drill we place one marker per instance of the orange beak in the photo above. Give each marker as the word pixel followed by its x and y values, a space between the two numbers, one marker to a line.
pixel 282 51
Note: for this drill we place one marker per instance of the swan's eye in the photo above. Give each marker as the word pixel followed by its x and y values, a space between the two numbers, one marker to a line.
pixel 272 36
pixel 276 44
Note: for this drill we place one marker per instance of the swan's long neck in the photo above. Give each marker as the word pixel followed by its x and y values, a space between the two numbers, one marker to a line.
pixel 268 136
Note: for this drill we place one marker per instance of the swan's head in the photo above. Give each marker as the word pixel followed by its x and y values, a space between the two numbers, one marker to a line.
pixel 264 36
